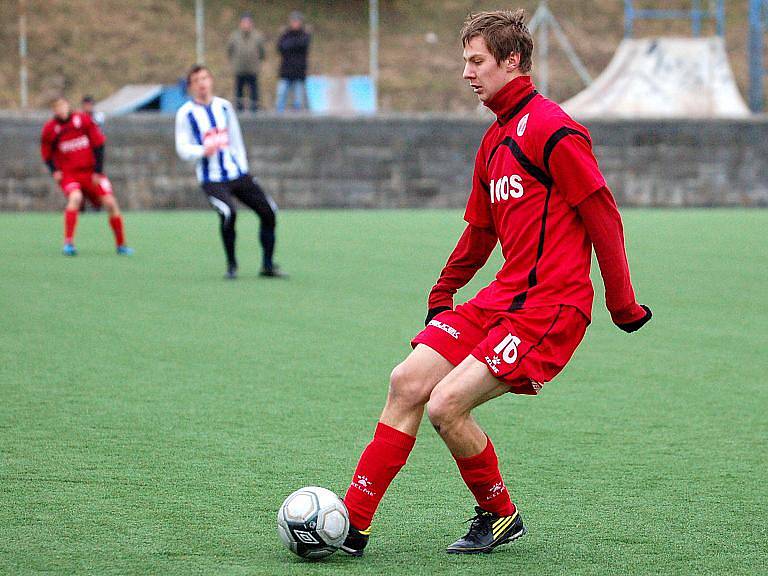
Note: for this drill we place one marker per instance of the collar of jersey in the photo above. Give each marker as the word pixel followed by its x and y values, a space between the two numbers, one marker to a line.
pixel 511 99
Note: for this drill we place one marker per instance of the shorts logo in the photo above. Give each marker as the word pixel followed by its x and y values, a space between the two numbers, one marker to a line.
pixel 493 363
pixel 522 125
pixel 445 328
pixel 508 348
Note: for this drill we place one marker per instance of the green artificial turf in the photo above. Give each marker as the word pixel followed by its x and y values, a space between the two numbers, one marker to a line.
pixel 153 416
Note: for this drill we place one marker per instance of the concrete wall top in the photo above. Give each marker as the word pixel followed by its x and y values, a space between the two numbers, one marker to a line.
pixel 397 160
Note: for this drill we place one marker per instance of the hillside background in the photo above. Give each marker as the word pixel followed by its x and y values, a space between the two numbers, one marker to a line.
pixel 96 46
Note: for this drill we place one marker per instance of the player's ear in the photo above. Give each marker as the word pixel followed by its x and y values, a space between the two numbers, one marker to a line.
pixel 512 62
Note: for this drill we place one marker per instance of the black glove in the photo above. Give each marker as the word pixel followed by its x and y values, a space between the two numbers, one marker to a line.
pixel 637 324
pixel 434 312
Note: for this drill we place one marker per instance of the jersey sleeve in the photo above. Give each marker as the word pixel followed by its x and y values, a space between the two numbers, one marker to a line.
pixel 478 211
pixel 603 224
pixel 470 254
pixel 95 135
pixel 188 146
pixel 46 144
pixel 236 139
pixel 570 161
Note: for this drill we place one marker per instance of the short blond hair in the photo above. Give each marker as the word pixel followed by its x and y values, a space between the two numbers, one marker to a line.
pixel 504 32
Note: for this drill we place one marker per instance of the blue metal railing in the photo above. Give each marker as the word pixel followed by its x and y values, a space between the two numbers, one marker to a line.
pixel 696 14
pixel 758 25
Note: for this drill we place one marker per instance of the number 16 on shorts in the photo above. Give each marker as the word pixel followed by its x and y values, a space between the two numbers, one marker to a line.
pixel 508 348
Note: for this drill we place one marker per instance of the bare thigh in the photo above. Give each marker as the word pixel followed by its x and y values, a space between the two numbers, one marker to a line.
pixel 466 387
pixel 411 384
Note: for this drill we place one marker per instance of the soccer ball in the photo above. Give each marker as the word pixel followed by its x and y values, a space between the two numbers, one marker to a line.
pixel 313 522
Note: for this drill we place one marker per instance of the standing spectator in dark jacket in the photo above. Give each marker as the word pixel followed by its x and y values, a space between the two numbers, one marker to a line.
pixel 293 46
pixel 245 50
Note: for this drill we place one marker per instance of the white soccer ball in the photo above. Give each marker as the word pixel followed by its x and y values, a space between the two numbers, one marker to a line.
pixel 313 522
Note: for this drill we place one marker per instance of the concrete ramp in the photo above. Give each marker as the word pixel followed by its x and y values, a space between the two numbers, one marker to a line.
pixel 162 98
pixel 663 78
pixel 130 98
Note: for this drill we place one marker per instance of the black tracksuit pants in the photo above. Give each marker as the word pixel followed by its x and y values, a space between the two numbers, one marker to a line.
pixel 221 197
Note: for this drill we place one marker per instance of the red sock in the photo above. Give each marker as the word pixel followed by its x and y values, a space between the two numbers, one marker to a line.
pixel 116 222
pixel 70 223
pixel 379 464
pixel 482 477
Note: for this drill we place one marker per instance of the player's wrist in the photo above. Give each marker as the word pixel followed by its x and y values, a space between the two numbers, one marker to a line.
pixel 438 298
pixel 627 314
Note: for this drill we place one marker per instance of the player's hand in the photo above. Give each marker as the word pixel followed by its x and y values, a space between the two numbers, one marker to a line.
pixel 434 312
pixel 96 178
pixel 637 324
pixel 210 147
pixel 57 175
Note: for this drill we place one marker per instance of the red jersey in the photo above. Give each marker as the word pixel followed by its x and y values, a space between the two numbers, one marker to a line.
pixel 70 143
pixel 534 165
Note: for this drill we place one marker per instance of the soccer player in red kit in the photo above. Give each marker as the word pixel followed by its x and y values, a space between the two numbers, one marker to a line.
pixel 536 190
pixel 72 146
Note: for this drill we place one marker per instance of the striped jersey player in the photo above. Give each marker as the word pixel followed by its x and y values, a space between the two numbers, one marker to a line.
pixel 208 134
pixel 537 191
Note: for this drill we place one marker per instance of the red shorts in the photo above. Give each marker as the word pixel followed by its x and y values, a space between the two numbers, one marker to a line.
pixel 523 349
pixel 83 181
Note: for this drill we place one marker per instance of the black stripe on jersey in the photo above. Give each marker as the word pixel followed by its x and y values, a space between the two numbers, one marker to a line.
pixel 516 110
pixel 546 181
pixel 556 137
pixel 525 162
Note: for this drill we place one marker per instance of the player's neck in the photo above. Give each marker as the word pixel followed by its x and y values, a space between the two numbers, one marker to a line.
pixel 204 101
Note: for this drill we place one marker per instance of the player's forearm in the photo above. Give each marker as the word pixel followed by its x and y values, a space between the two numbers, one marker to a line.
pixel 471 253
pixel 190 152
pixel 603 223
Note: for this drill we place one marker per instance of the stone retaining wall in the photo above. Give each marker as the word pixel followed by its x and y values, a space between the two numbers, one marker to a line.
pixel 397 161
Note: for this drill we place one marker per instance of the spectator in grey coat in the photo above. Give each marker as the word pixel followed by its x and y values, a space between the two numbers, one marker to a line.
pixel 246 53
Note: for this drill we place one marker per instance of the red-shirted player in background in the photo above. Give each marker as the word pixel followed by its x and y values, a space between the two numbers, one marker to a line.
pixel 538 191
pixel 72 147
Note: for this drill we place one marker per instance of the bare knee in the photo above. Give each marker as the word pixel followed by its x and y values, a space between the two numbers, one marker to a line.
pixel 408 387
pixel 110 204
pixel 443 410
pixel 74 200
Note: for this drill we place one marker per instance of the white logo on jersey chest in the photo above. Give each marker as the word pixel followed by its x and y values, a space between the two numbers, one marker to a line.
pixel 522 125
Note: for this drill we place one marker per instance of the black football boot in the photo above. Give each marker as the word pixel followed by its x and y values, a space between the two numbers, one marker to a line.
pixel 356 541
pixel 487 531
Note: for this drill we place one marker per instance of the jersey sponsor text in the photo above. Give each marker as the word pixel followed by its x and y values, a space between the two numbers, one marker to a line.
pixel 506 187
